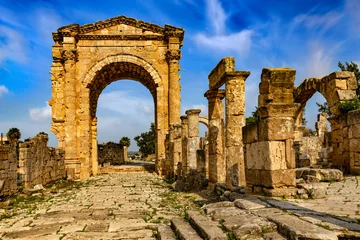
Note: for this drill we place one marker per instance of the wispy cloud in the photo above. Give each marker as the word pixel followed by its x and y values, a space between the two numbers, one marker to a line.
pixel 3 90
pixel 125 103
pixel 40 113
pixel 238 42
pixel 319 22
pixel 13 45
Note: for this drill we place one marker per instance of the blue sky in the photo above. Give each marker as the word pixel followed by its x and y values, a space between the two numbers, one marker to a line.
pixel 310 36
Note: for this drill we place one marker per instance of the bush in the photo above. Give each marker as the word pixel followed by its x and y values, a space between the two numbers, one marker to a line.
pixel 349 105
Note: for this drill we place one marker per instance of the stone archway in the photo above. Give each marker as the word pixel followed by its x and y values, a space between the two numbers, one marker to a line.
pixel 88 58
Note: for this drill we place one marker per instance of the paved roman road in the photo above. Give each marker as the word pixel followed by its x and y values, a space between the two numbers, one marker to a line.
pixel 109 206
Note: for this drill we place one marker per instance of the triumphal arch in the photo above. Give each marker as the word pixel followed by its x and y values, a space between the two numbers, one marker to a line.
pixel 88 58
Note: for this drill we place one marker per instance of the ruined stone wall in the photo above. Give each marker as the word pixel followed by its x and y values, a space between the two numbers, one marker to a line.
pixel 111 152
pixel 40 164
pixel 8 168
pixel 345 137
pixel 311 146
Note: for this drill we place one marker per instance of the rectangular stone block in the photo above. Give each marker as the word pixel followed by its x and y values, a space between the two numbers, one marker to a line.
pixel 225 65
pixel 346 94
pixel 271 179
pixel 353 117
pixel 354 131
pixel 278 110
pixel 277 88
pixel 266 155
pixel 354 144
pixel 286 98
pixel 278 75
pixel 274 129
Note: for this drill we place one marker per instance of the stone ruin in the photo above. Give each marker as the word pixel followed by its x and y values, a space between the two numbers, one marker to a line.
pixel 111 153
pixel 25 164
pixel 261 156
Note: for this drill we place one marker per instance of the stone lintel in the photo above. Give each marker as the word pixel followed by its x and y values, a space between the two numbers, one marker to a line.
pixel 276 75
pixel 193 111
pixel 341 75
pixel 225 65
pixel 215 93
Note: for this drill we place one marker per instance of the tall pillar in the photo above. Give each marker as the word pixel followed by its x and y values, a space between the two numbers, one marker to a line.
pixel 175 147
pixel 235 120
pixel 184 142
pixel 216 135
pixel 173 57
pixel 193 139
pixel 94 150
pixel 69 56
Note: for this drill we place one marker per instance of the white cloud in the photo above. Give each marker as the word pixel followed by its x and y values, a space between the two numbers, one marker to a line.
pixel 216 15
pixel 125 103
pixel 323 22
pixel 41 113
pixel 13 45
pixel 3 90
pixel 320 59
pixel 239 42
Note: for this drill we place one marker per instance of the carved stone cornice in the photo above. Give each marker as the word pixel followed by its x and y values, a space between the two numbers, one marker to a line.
pixel 69 55
pixel 173 55
pixel 120 37
pixel 76 30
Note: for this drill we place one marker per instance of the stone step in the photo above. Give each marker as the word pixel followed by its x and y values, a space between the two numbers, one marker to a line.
pixel 206 228
pixel 165 233
pixel 127 168
pixel 294 228
pixel 183 230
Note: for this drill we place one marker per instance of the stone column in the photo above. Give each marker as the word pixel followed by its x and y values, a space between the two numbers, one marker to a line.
pixel 173 57
pixel 235 120
pixel 177 147
pixel 94 150
pixel 216 135
pixel 69 57
pixel 184 142
pixel 193 138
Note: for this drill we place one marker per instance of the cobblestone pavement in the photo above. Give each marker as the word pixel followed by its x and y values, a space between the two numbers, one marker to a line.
pixel 109 206
pixel 132 205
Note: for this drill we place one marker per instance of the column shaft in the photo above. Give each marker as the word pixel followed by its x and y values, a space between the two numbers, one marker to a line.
pixel 216 135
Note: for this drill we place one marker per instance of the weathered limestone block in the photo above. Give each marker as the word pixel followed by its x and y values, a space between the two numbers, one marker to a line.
pixel 225 65
pixel 266 155
pixel 276 128
pixel 184 142
pixel 271 178
pixel 193 137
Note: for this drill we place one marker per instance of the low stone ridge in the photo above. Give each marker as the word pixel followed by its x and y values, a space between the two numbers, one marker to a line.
pixel 295 228
pixel 165 233
pixel 250 203
pixel 183 230
pixel 205 227
pixel 320 174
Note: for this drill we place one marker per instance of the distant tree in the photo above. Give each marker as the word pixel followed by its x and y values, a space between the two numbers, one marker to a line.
pixel 13 133
pixel 125 141
pixel 352 67
pixel 146 141
pixel 253 118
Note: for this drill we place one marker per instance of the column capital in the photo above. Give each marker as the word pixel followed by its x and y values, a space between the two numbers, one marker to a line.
pixel 236 74
pixel 215 93
pixel 173 55
pixel 193 112
pixel 184 117
pixel 69 55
